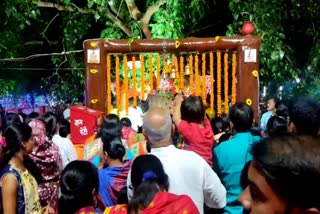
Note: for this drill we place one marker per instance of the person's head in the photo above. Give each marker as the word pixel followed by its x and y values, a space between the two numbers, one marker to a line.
pixel 113 150
pixel 284 176
pixel 18 139
pixel 304 115
pixel 39 132
pixel 220 124
pixel 79 184
pixel 35 116
pixel 51 124
pixel 282 110
pixel 157 127
pixel 64 128
pixel 11 119
pixel 271 105
pixel 192 109
pixel 158 101
pixel 277 126
pixel 241 117
pixel 147 177
pixel 111 127
pixel 81 100
pixel 68 103
pixel 126 122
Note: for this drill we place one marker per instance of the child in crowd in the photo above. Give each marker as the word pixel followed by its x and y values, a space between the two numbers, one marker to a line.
pixel 221 128
pixel 189 118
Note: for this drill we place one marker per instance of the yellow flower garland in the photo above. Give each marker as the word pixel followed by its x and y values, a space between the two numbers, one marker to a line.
pixel 150 73
pixel 109 84
pixel 191 75
pixel 181 73
pixel 226 84
pixel 211 81
pixel 176 67
pixel 219 82
pixel 196 71
pixel 118 95
pixel 234 70
pixel 142 76
pixel 158 71
pixel 204 80
pixel 134 80
pixel 126 85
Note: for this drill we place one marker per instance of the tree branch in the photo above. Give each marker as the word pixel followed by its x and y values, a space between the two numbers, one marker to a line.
pixel 118 22
pixel 40 43
pixel 39 55
pixel 63 8
pixel 134 11
pixel 147 16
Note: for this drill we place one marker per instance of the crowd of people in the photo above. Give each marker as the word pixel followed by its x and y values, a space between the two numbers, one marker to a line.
pixel 224 165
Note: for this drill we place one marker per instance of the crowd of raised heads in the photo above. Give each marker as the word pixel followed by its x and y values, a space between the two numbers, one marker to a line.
pixel 168 156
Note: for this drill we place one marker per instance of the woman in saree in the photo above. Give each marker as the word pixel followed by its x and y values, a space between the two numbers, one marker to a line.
pixel 46 156
pixel 113 177
pixel 150 185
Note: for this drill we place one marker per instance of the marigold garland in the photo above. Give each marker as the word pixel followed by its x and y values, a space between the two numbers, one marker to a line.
pixel 151 72
pixel 176 67
pixel 109 84
pixel 191 75
pixel 158 60
pixel 196 71
pixel 211 81
pixel 181 73
pixel 226 84
pixel 204 80
pixel 126 84
pixel 142 76
pixel 219 83
pixel 134 80
pixel 234 70
pixel 118 95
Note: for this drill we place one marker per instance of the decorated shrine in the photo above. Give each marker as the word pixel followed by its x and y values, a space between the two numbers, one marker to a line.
pixel 222 70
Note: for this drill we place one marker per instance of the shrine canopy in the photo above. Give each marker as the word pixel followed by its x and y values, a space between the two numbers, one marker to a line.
pixel 222 70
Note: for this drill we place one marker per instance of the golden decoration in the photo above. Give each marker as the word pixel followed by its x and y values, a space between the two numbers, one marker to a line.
pixel 177 43
pixel 93 44
pixel 93 71
pixel 255 73
pixel 94 101
pixel 249 102
pixel 217 38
